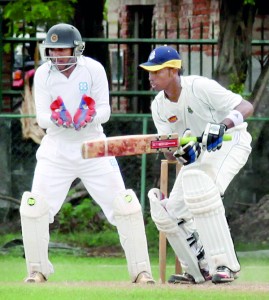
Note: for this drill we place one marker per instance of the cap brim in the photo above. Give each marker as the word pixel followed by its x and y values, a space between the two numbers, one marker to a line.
pixel 152 68
pixel 176 63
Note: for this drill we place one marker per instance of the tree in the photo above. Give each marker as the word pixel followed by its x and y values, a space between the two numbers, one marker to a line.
pixel 236 23
pixel 236 26
pixel 25 17
pixel 35 13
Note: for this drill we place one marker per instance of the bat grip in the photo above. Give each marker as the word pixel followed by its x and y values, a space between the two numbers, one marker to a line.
pixel 186 140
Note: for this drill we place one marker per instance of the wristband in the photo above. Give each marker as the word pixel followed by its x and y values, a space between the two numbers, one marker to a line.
pixel 236 117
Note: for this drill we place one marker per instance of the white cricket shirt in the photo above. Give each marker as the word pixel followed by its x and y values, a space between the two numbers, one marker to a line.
pixel 89 77
pixel 202 100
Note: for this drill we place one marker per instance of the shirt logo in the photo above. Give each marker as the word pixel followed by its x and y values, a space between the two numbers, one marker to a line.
pixel 190 110
pixel 172 119
pixel 83 87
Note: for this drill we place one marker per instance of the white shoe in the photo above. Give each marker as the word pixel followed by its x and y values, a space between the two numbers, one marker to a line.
pixel 144 278
pixel 223 275
pixel 35 277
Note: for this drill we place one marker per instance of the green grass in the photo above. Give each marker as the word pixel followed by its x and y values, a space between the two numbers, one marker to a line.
pixel 78 292
pixel 107 278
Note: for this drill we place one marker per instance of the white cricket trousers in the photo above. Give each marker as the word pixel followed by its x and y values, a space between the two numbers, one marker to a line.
pixel 60 162
pixel 221 165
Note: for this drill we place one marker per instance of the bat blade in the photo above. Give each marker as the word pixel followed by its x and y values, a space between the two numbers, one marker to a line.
pixel 135 145
pixel 130 145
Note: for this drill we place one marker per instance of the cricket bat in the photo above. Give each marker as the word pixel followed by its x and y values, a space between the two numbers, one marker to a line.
pixel 136 144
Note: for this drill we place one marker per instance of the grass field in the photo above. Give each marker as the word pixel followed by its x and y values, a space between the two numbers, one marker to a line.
pixel 100 278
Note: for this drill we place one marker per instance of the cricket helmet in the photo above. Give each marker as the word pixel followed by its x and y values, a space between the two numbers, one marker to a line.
pixel 63 36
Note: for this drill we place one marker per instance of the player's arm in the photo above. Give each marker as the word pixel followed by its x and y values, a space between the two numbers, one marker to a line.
pixel 42 99
pixel 100 93
pixel 240 113
pixel 213 134
pixel 161 127
pixel 49 113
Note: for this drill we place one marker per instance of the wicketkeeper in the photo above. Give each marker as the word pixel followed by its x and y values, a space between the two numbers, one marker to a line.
pixel 72 102
pixel 193 218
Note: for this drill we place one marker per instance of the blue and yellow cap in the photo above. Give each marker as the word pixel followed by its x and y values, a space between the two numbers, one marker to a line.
pixel 162 57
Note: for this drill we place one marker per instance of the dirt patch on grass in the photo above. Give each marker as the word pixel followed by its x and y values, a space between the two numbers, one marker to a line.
pixel 226 287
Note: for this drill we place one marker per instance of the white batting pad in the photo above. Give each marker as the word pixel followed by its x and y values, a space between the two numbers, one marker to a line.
pixel 34 212
pixel 131 229
pixel 204 201
pixel 176 235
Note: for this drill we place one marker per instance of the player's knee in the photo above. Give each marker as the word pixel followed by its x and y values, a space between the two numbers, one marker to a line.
pixel 126 203
pixel 200 192
pixel 33 206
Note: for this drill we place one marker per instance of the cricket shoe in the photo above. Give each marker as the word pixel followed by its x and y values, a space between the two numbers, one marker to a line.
pixel 144 278
pixel 223 275
pixel 206 274
pixel 187 278
pixel 35 277
pixel 181 278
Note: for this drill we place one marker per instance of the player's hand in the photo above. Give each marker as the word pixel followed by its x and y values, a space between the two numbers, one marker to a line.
pixel 60 116
pixel 85 112
pixel 213 136
pixel 188 153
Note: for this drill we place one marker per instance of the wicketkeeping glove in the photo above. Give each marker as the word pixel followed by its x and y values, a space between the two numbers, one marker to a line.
pixel 188 153
pixel 85 112
pixel 213 136
pixel 60 116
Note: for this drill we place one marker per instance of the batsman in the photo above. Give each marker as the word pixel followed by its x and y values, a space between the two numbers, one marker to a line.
pixel 72 102
pixel 193 218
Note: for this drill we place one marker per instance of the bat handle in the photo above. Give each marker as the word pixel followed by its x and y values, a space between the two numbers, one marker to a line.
pixel 186 140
